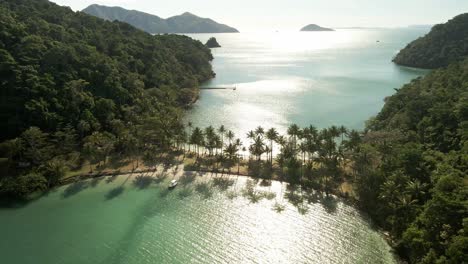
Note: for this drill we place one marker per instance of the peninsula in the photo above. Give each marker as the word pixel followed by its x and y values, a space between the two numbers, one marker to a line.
pixel 185 23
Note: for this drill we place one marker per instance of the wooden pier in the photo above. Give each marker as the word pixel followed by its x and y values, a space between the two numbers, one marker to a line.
pixel 219 88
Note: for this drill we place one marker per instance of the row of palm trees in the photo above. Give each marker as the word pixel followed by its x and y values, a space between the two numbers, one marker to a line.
pixel 328 146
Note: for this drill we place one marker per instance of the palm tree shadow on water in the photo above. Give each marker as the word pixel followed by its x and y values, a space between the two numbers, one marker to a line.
pixel 117 191
pixel 95 181
pixel 118 254
pixel 74 188
pixel 143 181
pixel 301 199
pixel 223 184
pixel 204 189
pixel 329 203
pixel 187 178
pixel 251 193
pixel 185 192
pixel 295 197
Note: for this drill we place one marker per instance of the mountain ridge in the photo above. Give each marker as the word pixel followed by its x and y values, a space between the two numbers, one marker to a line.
pixel 184 23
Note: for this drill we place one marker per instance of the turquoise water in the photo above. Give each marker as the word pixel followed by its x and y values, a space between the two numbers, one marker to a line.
pixel 319 78
pixel 307 78
pixel 138 220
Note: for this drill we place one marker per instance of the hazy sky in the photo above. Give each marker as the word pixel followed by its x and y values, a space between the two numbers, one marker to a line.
pixel 250 15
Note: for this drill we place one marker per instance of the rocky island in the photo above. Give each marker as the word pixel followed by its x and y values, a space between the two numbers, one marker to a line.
pixel 314 27
pixel 212 43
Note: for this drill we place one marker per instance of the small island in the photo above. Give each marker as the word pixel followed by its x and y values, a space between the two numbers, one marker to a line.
pixel 314 27
pixel 212 43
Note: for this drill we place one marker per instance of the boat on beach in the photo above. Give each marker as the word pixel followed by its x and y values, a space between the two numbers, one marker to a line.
pixel 173 184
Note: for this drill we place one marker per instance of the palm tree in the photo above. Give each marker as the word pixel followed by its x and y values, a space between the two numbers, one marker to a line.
pixel 239 145
pixel 271 135
pixel 230 135
pixel 222 131
pixel 259 131
pixel 353 141
pixel 251 136
pixel 293 132
pixel 54 170
pixel 334 131
pixel 281 141
pixel 257 148
pixel 303 148
pixel 416 189
pixel 190 125
pixel 197 138
pixel 210 139
pixel 343 130
pixel 231 151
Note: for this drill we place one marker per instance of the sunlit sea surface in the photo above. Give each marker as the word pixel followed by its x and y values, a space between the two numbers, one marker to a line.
pixel 131 220
pixel 307 78
pixel 319 78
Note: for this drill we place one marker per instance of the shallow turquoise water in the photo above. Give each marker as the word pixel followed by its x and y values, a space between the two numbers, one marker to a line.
pixel 308 78
pixel 319 78
pixel 125 220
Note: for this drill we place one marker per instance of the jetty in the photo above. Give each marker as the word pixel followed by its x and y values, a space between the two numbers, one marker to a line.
pixel 219 88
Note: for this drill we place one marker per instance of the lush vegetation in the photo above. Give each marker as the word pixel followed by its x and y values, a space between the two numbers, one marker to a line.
pixel 446 43
pixel 415 185
pixel 185 23
pixel 76 86
pixel 77 91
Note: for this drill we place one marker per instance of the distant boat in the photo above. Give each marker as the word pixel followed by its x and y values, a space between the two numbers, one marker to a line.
pixel 378 40
pixel 173 184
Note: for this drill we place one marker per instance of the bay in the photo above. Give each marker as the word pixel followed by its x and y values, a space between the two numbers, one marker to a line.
pixel 318 78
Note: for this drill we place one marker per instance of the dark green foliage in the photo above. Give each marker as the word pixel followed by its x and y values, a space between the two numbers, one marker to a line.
pixel 185 23
pixel 24 184
pixel 70 80
pixel 413 178
pixel 446 43
pixel 62 67
pixel 433 108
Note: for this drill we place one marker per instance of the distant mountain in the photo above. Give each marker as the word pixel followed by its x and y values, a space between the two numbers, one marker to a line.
pixel 314 27
pixel 185 23
pixel 444 44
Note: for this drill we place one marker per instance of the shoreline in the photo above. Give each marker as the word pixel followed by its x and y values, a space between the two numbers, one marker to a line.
pixel 203 176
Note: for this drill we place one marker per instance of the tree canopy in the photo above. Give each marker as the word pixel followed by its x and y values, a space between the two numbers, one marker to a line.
pixel 73 83
pixel 59 67
pixel 414 180
pixel 445 43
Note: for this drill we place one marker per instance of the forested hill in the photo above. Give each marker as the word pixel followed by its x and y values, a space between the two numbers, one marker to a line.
pixel 185 23
pixel 413 167
pixel 445 43
pixel 59 67
pixel 74 86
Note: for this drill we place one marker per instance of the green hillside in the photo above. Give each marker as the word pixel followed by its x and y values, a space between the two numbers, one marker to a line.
pixel 69 78
pixel 444 44
pixel 185 23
